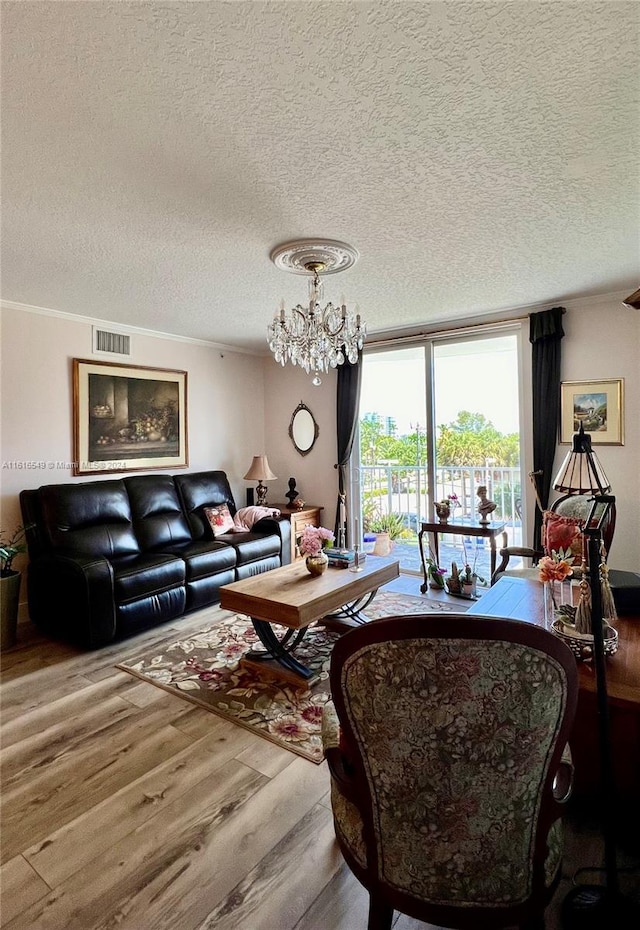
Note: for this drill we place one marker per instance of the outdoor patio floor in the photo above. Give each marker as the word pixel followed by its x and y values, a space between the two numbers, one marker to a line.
pixel 477 549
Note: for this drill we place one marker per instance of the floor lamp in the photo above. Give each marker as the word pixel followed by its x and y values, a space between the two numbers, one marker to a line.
pixel 596 907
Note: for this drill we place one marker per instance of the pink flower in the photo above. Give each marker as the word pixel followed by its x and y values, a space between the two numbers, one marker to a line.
pixel 315 539
pixel 553 570
pixel 288 728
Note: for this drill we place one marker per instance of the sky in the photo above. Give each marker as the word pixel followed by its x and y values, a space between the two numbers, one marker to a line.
pixel 476 375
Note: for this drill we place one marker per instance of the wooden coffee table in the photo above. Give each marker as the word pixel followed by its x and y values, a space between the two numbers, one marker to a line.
pixel 292 598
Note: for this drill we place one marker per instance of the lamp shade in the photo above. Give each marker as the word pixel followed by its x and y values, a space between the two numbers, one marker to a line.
pixel 260 470
pixel 581 472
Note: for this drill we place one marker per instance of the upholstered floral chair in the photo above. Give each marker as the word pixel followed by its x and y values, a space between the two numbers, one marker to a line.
pixel 562 526
pixel 445 746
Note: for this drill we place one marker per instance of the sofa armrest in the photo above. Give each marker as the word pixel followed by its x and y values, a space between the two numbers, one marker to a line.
pixel 271 526
pixel 84 584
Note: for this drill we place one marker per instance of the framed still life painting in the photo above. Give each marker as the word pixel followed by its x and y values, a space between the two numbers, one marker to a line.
pixel 598 406
pixel 128 418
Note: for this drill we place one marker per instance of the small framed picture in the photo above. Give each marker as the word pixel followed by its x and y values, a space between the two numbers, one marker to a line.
pixel 598 406
pixel 128 418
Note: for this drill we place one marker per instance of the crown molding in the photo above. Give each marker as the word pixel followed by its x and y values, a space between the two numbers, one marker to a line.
pixel 505 316
pixel 123 327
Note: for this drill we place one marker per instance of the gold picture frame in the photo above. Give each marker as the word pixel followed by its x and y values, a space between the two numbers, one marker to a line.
pixel 128 418
pixel 598 405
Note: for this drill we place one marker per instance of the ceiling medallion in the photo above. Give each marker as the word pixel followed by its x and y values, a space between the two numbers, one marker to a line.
pixel 295 256
pixel 311 336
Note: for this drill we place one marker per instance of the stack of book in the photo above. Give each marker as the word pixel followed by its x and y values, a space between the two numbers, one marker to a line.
pixel 341 558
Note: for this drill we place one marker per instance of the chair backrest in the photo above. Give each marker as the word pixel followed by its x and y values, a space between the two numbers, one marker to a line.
pixel 454 727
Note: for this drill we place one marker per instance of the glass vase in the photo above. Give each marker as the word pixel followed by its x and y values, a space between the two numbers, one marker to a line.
pixel 556 594
pixel 316 564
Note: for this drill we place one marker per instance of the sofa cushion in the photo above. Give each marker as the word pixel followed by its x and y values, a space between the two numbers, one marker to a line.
pixel 158 520
pixel 250 547
pixel 205 557
pixel 93 518
pixel 146 575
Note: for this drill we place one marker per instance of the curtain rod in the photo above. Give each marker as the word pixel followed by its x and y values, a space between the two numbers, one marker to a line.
pixel 470 328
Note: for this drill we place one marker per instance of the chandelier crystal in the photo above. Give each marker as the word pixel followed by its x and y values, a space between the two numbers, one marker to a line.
pixel 314 337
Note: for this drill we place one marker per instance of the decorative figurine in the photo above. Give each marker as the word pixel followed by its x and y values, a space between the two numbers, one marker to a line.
pixel 291 493
pixel 485 507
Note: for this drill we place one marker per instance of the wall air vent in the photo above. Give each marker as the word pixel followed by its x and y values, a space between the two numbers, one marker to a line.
pixel 108 343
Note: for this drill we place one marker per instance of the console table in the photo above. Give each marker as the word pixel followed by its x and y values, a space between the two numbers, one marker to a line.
pixel 522 599
pixel 463 528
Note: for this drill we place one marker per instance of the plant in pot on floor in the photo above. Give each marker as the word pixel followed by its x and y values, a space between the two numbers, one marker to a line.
pixel 10 547
pixel 388 527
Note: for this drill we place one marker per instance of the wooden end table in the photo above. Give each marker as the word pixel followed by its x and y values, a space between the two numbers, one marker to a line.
pixel 463 528
pixel 309 515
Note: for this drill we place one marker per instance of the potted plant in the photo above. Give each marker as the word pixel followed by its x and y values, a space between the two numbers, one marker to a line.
pixel 435 574
pixel 10 547
pixel 454 585
pixel 388 527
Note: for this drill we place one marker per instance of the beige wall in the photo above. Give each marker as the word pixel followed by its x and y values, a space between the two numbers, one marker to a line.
pixel 602 341
pixel 241 405
pixel 316 478
pixel 225 402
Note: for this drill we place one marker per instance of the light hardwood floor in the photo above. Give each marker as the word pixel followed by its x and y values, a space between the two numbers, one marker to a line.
pixel 126 807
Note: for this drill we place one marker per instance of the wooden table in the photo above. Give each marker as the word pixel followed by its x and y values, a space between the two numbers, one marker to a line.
pixel 291 597
pixel 521 599
pixel 465 528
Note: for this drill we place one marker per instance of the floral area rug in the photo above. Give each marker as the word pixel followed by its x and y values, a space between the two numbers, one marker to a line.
pixel 205 668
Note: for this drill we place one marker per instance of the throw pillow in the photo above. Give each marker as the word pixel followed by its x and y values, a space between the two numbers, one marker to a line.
pixel 220 519
pixel 562 533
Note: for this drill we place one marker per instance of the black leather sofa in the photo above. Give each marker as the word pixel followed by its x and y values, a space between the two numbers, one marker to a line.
pixel 110 558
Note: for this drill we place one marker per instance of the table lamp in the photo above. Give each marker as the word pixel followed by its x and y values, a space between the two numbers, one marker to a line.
pixel 581 472
pixel 260 471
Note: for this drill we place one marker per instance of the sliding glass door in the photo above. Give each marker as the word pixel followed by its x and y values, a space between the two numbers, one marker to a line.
pixel 440 419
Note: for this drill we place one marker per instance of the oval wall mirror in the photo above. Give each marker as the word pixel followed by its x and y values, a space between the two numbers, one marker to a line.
pixel 303 429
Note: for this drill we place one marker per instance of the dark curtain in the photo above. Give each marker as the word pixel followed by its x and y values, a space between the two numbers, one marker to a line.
pixel 347 406
pixel 545 334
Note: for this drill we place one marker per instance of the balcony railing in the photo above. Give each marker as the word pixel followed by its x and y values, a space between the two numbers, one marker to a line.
pixel 403 489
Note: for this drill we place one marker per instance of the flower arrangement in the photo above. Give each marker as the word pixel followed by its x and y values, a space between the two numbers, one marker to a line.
pixel 451 500
pixel 554 567
pixel 315 539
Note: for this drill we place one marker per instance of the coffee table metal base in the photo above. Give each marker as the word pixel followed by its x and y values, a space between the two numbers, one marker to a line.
pixel 281 649
pixel 350 615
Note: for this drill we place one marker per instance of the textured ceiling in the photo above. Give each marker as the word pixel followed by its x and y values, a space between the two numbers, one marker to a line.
pixel 480 156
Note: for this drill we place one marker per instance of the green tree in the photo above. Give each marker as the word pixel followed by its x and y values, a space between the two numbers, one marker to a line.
pixel 471 439
pixel 468 440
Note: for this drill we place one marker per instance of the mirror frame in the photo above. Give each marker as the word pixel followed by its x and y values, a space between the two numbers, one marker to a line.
pixel 301 408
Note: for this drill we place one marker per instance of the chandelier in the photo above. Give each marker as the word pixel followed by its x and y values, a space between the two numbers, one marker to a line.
pixel 315 337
